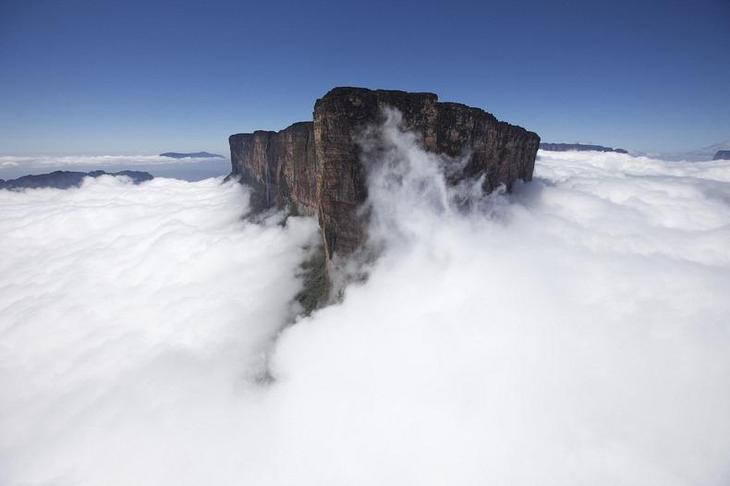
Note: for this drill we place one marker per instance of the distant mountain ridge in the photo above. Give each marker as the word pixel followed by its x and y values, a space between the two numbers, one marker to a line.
pixel 63 179
pixel 565 147
pixel 191 155
pixel 708 152
pixel 722 155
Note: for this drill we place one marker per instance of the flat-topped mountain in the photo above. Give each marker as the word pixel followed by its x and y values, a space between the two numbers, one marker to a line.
pixel 565 147
pixel 62 179
pixel 315 168
pixel 191 155
pixel 722 155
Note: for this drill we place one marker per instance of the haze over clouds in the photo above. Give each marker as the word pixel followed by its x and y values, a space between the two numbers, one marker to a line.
pixel 573 332
pixel 192 168
pixel 89 160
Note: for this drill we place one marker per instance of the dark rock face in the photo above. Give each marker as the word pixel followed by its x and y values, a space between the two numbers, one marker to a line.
pixel 315 168
pixel 722 155
pixel 191 155
pixel 281 167
pixel 62 179
pixel 502 152
pixel 565 147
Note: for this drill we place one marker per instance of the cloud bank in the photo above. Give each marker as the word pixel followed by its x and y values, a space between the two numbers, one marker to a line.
pixel 572 332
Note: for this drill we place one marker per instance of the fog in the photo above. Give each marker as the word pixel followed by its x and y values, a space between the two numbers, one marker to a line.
pixel 574 331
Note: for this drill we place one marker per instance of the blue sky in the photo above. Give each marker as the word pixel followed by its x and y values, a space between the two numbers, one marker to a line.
pixel 82 76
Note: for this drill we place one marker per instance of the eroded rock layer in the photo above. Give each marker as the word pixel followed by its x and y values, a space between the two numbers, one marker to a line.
pixel 315 167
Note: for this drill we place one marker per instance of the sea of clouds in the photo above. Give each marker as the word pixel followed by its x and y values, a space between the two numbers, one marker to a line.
pixel 573 332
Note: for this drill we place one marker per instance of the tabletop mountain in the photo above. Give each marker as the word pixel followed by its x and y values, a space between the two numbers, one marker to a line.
pixel 315 168
pixel 581 147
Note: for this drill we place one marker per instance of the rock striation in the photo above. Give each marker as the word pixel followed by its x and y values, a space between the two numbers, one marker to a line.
pixel 722 155
pixel 315 168
pixel 565 147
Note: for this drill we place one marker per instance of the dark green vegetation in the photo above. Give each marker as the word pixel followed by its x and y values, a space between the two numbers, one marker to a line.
pixel 315 288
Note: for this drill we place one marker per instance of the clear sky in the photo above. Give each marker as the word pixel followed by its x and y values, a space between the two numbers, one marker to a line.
pixel 95 76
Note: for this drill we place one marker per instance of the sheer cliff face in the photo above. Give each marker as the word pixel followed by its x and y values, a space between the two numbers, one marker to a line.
pixel 316 168
pixel 280 167
pixel 502 152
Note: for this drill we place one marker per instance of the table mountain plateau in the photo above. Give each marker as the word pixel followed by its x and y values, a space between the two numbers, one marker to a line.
pixel 315 167
pixel 565 147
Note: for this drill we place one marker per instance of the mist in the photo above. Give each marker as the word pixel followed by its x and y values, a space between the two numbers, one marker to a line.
pixel 573 331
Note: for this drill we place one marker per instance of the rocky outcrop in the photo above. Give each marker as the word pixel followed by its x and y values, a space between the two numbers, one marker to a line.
pixel 315 168
pixel 722 155
pixel 62 179
pixel 566 147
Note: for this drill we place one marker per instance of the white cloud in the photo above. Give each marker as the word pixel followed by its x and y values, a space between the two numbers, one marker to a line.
pixel 125 308
pixel 575 332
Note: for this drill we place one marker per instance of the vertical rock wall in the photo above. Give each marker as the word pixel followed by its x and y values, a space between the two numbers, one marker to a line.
pixel 502 152
pixel 314 167
pixel 280 167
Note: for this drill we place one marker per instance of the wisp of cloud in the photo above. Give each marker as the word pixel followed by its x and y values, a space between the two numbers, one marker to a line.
pixel 572 332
